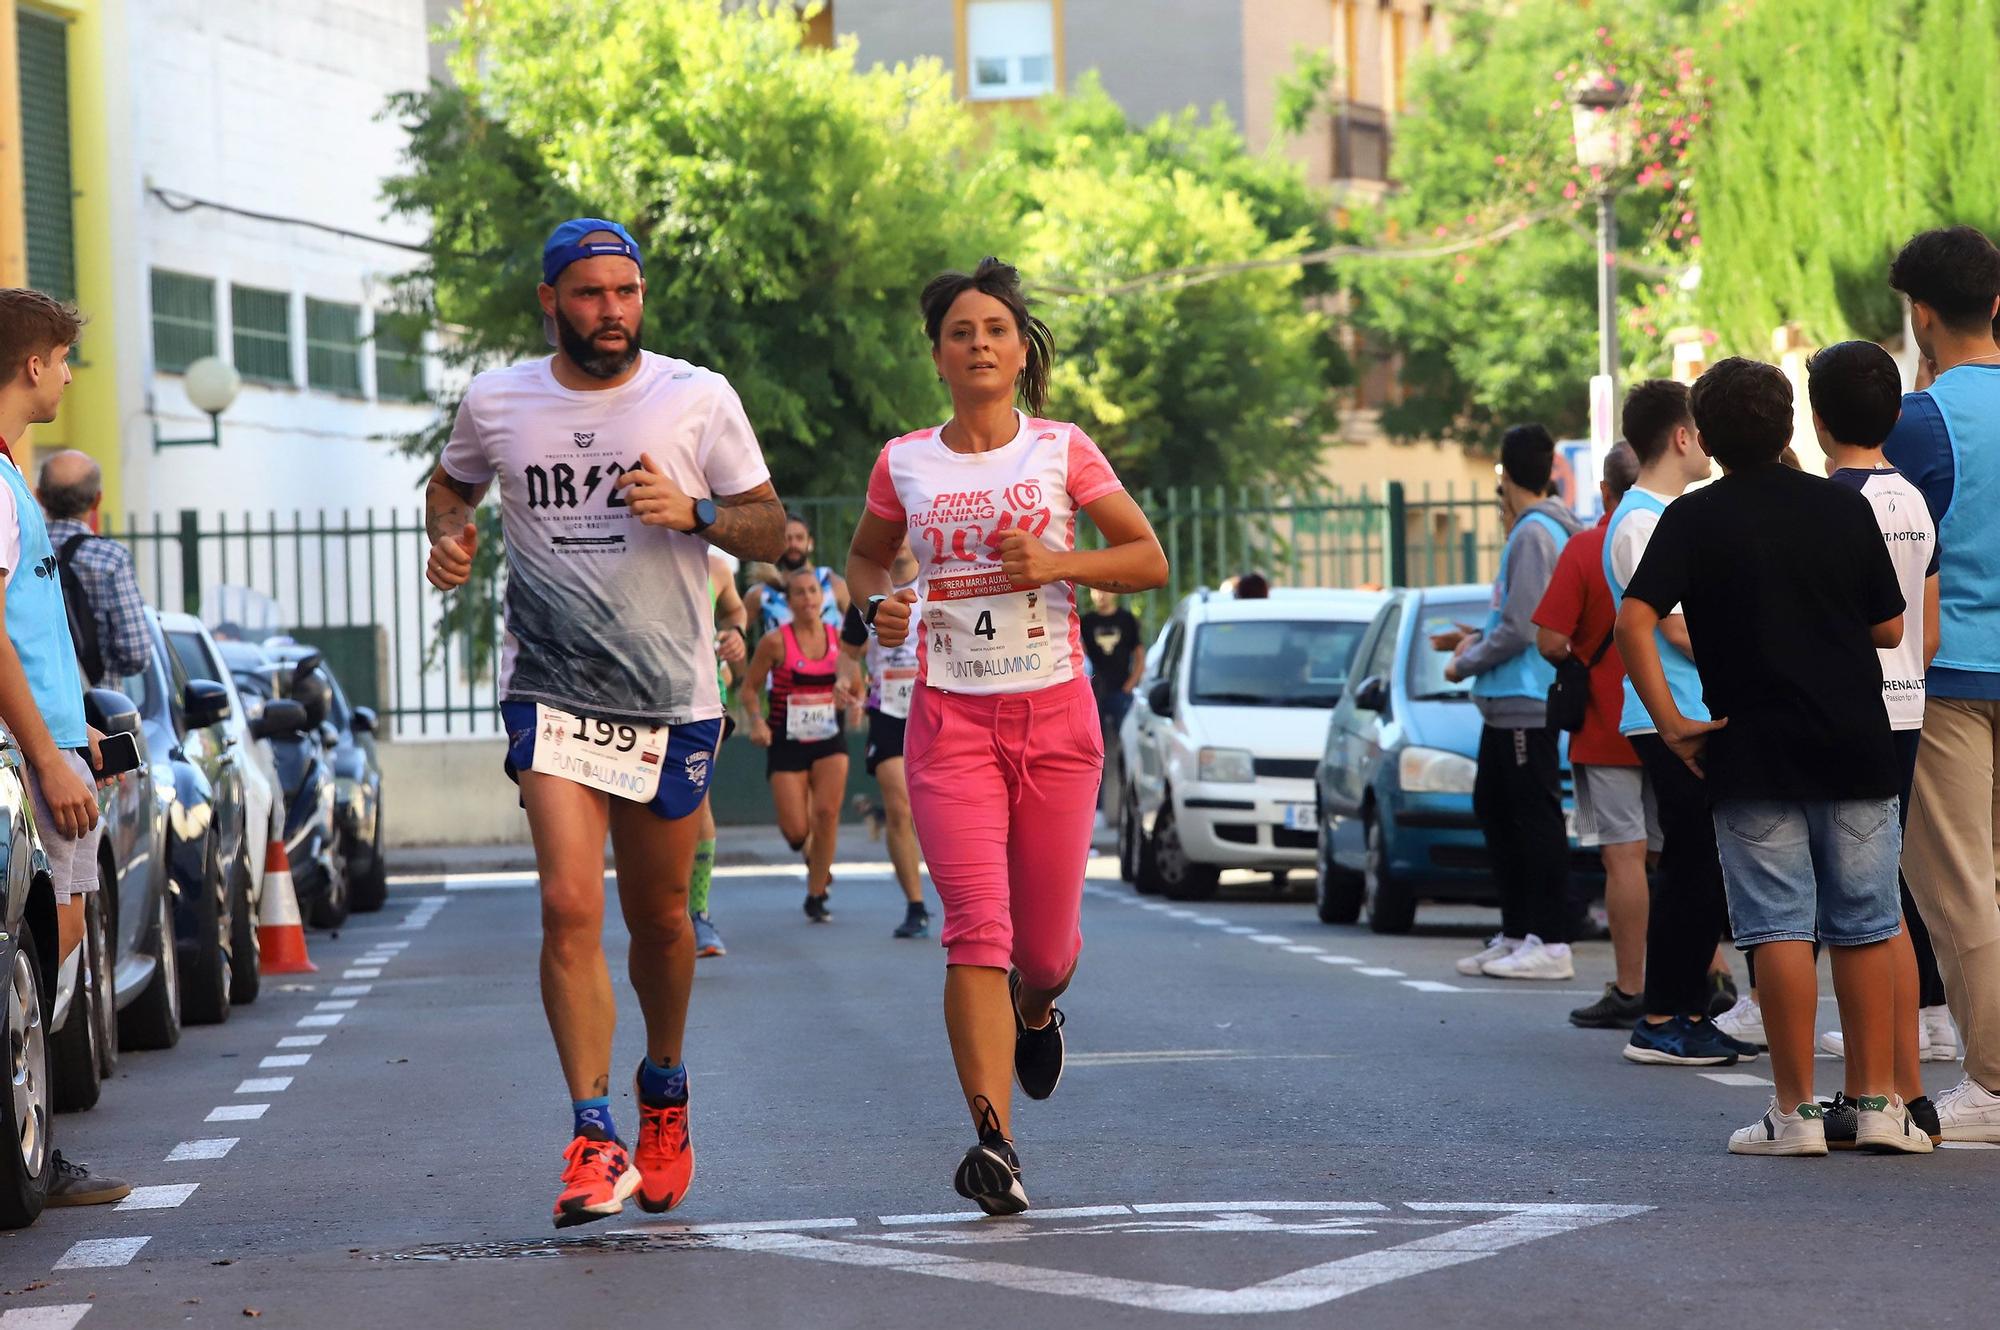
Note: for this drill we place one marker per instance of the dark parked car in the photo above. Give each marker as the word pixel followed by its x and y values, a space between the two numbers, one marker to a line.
pixel 302 754
pixel 357 774
pixel 28 965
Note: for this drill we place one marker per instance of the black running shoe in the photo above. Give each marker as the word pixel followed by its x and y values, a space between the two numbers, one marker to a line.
pixel 1843 1121
pixel 1721 994
pixel 1924 1113
pixel 916 923
pixel 818 910
pixel 1038 1054
pixel 990 1173
pixel 1616 1010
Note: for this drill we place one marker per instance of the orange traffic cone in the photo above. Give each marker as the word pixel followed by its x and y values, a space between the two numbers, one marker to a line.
pixel 280 936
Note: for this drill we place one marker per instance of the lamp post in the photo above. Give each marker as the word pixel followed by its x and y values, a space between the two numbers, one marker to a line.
pixel 212 384
pixel 1604 144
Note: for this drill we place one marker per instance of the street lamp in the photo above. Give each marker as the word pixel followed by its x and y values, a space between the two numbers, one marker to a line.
pixel 212 384
pixel 1603 145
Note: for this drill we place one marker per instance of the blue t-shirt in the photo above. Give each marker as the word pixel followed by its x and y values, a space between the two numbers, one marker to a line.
pixel 37 622
pixel 1948 445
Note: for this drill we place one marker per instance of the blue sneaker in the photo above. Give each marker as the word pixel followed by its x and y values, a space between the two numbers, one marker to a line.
pixel 1681 1042
pixel 707 942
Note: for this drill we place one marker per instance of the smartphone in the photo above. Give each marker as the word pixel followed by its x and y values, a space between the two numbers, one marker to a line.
pixel 119 753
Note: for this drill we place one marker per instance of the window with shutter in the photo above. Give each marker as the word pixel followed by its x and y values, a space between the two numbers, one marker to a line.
pixel 51 234
pixel 183 320
pixel 333 347
pixel 262 323
pixel 399 362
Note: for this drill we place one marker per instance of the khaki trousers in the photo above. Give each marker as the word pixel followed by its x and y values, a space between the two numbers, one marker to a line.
pixel 1952 861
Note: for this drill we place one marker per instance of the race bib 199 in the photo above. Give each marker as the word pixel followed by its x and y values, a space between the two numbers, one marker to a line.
pixel 898 686
pixel 614 756
pixel 811 717
pixel 980 630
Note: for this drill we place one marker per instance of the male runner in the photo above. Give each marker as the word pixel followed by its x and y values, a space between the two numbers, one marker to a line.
pixel 765 600
pixel 618 468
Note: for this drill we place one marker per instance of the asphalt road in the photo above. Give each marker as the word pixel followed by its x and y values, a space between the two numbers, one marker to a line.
pixel 1262 1117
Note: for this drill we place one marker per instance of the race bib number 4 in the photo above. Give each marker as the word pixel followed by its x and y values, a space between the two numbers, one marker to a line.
pixel 980 630
pixel 898 687
pixel 617 757
pixel 810 718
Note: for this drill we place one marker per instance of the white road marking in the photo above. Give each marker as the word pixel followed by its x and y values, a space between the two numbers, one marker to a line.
pixel 236 1113
pixel 284 1060
pixel 264 1085
pixel 362 972
pixel 302 1041
pixel 1379 972
pixel 395 944
pixel 1210 921
pixel 353 990
pixel 322 1018
pixel 1967 1145
pixel 214 1147
pixel 1304 949
pixel 94 1253
pixel 1431 986
pixel 974 1216
pixel 1270 939
pixel 1733 1078
pixel 1249 1207
pixel 1239 930
pixel 338 1004
pixel 1154 906
pixel 1180 914
pixel 56 1316
pixel 166 1197
pixel 1338 960
pixel 747 1226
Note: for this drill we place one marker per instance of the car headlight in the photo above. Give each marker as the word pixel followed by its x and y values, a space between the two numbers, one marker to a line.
pixel 1434 771
pixel 1226 765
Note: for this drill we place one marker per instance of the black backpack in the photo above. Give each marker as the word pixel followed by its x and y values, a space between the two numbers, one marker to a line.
pixel 82 618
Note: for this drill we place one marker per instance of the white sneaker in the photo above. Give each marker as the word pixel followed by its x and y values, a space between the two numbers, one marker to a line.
pixel 1800 1133
pixel 1831 1042
pixel 1533 959
pixel 1883 1126
pixel 1497 947
pixel 1744 1021
pixel 1940 1037
pixel 1969 1111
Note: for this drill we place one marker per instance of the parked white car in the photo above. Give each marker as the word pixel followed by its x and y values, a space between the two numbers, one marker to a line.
pixel 1218 752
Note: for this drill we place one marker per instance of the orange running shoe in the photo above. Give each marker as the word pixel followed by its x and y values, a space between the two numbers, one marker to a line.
pixel 597 1177
pixel 666 1155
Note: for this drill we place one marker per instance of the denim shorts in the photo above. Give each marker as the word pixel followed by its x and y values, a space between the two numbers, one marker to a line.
pixel 1822 870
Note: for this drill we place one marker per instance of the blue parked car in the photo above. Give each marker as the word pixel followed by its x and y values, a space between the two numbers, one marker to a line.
pixel 1395 783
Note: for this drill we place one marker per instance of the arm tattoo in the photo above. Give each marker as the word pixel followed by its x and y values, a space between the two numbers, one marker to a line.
pixel 750 525
pixel 448 505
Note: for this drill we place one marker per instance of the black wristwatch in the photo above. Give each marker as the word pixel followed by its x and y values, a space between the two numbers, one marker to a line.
pixel 704 516
pixel 874 608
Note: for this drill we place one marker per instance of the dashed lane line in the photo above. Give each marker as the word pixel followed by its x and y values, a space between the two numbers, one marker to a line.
pixel 353 990
pixel 214 1147
pixel 337 1004
pixel 1734 1078
pixel 1303 949
pixel 56 1316
pixel 264 1085
pixel 169 1196
pixel 284 1060
pixel 302 1041
pixel 1433 986
pixel 1379 972
pixel 101 1253
pixel 362 972
pixel 236 1112
pixel 321 1018
pixel 1338 960
pixel 1271 939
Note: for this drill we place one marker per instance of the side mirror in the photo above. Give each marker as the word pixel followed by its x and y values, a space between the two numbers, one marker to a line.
pixel 110 711
pixel 1373 694
pixel 205 703
pixel 1160 697
pixel 281 718
pixel 363 720
pixel 329 738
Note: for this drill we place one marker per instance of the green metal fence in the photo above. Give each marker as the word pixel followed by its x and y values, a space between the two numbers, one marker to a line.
pixel 342 580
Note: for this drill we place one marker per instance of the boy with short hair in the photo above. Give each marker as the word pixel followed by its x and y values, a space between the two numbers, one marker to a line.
pixel 1787 590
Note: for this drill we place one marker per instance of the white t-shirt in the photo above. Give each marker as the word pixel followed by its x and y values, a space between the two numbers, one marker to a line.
pixel 606 616
pixel 1912 540
pixel 979 633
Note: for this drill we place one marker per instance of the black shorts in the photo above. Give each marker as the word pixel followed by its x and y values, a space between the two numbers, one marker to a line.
pixel 885 739
pixel 790 755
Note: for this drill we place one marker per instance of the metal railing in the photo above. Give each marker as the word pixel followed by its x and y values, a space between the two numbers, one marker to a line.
pixel 355 584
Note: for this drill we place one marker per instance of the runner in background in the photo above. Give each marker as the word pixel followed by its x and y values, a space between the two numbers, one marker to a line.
pixel 1113 645
pixel 768 606
pixel 1003 747
pixel 886 678
pixel 806 764
pixel 730 652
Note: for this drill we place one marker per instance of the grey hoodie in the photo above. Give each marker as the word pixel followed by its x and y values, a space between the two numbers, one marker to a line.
pixel 1533 564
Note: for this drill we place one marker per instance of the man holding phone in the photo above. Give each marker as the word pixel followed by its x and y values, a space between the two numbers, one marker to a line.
pixel 41 685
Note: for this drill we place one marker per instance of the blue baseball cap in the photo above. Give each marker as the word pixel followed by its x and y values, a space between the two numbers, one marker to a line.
pixel 566 245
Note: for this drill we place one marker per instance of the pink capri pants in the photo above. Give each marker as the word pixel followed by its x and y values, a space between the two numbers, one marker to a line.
pixel 1003 790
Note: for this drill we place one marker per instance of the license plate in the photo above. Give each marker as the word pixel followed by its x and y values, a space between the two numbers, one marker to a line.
pixel 1301 817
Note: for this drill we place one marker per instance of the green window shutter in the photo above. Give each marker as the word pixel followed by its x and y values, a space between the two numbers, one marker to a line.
pixel 333 347
pixel 183 320
pixel 399 362
pixel 263 333
pixel 44 60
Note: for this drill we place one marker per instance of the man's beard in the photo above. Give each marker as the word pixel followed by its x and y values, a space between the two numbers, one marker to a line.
pixel 791 561
pixel 583 352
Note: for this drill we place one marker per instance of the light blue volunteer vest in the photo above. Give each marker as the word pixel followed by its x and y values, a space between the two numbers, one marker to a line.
pixel 1683 680
pixel 1526 675
pixel 1968 631
pixel 777 611
pixel 39 625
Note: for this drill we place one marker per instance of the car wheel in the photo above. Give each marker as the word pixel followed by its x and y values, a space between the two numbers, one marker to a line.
pixel 27 1156
pixel 107 1022
pixel 1391 906
pixel 1336 891
pixel 1180 878
pixel 205 981
pixel 330 910
pixel 246 953
pixel 1145 877
pixel 370 890
pixel 154 1018
pixel 73 1050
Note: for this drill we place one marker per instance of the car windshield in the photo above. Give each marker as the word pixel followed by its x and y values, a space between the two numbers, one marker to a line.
pixel 1273 662
pixel 1427 681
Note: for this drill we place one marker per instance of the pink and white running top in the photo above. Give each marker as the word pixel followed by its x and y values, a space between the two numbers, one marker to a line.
pixel 981 634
